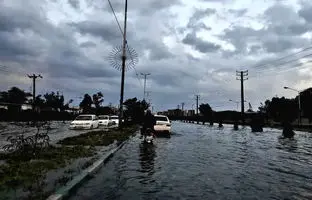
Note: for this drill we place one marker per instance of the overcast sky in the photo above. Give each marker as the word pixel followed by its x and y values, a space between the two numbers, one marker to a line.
pixel 189 47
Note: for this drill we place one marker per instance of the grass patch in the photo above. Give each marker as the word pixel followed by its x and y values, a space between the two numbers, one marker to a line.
pixel 28 171
pixel 100 138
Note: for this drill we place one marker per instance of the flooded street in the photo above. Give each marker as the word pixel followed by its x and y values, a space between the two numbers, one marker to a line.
pixel 202 162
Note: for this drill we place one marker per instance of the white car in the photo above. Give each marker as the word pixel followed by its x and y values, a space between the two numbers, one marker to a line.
pixel 104 120
pixel 115 119
pixel 163 124
pixel 85 122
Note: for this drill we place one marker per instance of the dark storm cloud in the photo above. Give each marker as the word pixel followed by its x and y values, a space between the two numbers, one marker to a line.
pixel 108 31
pixel 305 12
pixel 216 1
pixel 281 44
pixel 238 12
pixel 11 46
pixel 239 37
pixel 26 36
pixel 13 18
pixel 200 45
pixel 194 23
pixel 282 33
pixel 74 3
pixel 201 13
pixel 145 8
pixel 87 44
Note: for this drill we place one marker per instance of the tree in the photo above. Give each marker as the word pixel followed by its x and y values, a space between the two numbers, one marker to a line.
pixel 97 99
pixel 66 106
pixel 105 110
pixel 54 100
pixel 206 110
pixel 15 97
pixel 39 101
pixel 135 109
pixel 263 109
pixel 86 103
pixel 282 109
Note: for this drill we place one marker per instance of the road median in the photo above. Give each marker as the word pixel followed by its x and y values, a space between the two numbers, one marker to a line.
pixel 56 170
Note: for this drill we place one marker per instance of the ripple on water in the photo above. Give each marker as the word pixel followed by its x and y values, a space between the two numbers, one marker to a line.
pixel 202 162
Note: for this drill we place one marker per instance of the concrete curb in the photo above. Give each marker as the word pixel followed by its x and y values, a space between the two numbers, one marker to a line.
pixel 65 191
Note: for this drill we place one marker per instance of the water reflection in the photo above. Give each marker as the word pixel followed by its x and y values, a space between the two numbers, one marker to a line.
pixel 147 157
pixel 201 162
pixel 289 145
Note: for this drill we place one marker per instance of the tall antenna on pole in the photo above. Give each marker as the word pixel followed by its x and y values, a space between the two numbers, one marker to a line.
pixel 123 65
pixel 123 53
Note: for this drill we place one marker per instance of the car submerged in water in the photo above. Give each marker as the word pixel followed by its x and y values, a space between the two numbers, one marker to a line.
pixel 85 122
pixel 163 124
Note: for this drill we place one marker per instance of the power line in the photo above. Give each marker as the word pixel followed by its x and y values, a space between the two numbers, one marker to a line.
pixel 268 72
pixel 290 61
pixel 137 76
pixel 273 61
pixel 120 29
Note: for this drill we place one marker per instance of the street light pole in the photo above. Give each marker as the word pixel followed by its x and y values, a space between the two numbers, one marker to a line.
pixel 145 76
pixel 124 43
pixel 299 103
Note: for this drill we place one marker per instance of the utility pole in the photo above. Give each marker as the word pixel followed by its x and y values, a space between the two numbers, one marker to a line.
pixel 34 77
pixel 145 76
pixel 197 98
pixel 124 43
pixel 242 76
pixel 147 93
pixel 182 106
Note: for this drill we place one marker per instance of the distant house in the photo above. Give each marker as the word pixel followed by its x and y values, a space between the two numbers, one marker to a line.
pixel 3 107
pixel 26 107
pixel 74 110
pixel 190 112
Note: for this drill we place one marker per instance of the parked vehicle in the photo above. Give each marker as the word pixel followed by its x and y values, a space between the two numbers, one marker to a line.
pixel 85 122
pixel 104 120
pixel 115 119
pixel 163 124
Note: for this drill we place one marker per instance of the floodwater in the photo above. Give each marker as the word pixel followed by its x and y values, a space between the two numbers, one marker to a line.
pixel 202 162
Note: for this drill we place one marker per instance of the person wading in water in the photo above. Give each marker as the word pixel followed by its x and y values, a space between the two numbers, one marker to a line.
pixel 148 122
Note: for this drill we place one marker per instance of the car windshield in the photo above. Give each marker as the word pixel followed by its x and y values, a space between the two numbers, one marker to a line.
pixel 159 118
pixel 114 117
pixel 103 117
pixel 84 118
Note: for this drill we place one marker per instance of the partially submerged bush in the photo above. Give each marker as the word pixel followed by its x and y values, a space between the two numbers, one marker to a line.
pixel 20 143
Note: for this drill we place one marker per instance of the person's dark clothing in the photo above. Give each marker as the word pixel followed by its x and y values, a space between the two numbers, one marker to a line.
pixel 148 122
pixel 288 131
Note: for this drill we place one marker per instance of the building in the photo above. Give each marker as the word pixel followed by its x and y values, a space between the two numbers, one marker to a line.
pixel 190 113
